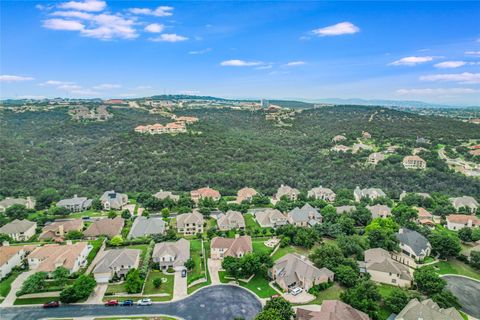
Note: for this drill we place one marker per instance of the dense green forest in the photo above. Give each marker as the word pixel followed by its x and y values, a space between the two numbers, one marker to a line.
pixel 227 149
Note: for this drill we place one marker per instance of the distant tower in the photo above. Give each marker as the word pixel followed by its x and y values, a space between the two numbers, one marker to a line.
pixel 264 103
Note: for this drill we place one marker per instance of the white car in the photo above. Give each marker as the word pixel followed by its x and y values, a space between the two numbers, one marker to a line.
pixel 144 302
pixel 296 291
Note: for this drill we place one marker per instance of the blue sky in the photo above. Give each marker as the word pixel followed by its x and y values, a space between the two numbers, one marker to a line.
pixel 426 51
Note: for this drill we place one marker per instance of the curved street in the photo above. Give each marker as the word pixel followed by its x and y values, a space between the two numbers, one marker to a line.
pixel 467 291
pixel 221 302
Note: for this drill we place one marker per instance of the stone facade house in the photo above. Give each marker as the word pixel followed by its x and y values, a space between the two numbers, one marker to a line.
pixel 427 310
pixel 371 193
pixel 190 223
pixel 162 195
pixel 465 202
pixel 307 216
pixel 29 203
pixel 380 211
pixel 246 194
pixel 289 192
pixel 75 204
pixel 458 221
pixel 116 261
pixel 19 230
pixel 413 244
pixel 112 200
pixel 57 230
pixel 228 247
pixel 322 193
pixel 414 162
pixel 382 268
pixel 172 254
pixel 231 220
pixel 270 218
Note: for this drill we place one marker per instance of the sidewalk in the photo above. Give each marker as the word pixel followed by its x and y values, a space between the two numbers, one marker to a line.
pixel 16 285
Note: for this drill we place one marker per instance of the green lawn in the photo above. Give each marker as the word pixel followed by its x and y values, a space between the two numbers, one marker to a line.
pixel 116 288
pixel 6 283
pixel 88 213
pixel 259 285
pixel 332 293
pixel 20 301
pixel 259 246
pixel 222 276
pixel 290 249
pixel 136 298
pixel 198 257
pixel 165 287
pixel 250 223
pixel 385 289
pixel 96 246
pixel 456 267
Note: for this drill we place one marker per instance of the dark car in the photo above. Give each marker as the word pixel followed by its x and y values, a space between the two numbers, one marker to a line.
pixel 127 303
pixel 51 304
pixel 111 303
pixel 184 273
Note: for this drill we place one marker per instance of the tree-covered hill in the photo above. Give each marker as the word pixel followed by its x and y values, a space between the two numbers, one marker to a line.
pixel 227 149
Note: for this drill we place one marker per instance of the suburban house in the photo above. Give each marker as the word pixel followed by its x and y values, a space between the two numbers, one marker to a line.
pixel 146 226
pixel 105 227
pixel 413 244
pixel 380 211
pixel 360 146
pixel 340 148
pixel 425 218
pixel 289 192
pixel 421 140
pixel 322 193
pixel 19 230
pixel 51 256
pixel 246 194
pixel 75 204
pixel 427 310
pixel 206 192
pixel 375 158
pixel 188 120
pixel 420 194
pixel 339 138
pixel 190 223
pixel 465 202
pixel 332 310
pixel 304 217
pixel 113 200
pixel 459 221
pixel 172 254
pixel 116 262
pixel 162 195
pixel 270 218
pixel 29 203
pixel 228 247
pixel 11 257
pixel 231 220
pixel 414 162
pixel 382 268
pixel 345 209
pixel 57 230
pixel 371 193
pixel 294 270
pixel 366 135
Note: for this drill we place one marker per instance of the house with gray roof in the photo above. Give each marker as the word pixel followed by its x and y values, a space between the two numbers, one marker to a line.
pixel 112 200
pixel 413 244
pixel 231 220
pixel 146 226
pixel 294 270
pixel 305 216
pixel 465 202
pixel 19 230
pixel 384 269
pixel 270 218
pixel 380 211
pixel 190 223
pixel 287 191
pixel 75 204
pixel 322 193
pixel 371 193
pixel 427 310
pixel 345 209
pixel 420 194
pixel 171 254
pixel 162 195
pixel 29 203
pixel 116 261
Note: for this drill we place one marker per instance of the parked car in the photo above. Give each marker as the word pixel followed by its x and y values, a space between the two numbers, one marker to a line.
pixel 127 303
pixel 296 291
pixel 184 273
pixel 144 302
pixel 111 303
pixel 51 304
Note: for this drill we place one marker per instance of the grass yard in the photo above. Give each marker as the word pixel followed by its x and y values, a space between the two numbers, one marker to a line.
pixel 332 293
pixel 116 288
pixel 259 246
pixel 206 247
pixel 222 276
pixel 165 287
pixel 136 298
pixel 259 285
pixel 198 257
pixel 96 247
pixel 456 267
pixel 6 283
pixel 88 213
pixel 250 223
pixel 42 300
pixel 290 249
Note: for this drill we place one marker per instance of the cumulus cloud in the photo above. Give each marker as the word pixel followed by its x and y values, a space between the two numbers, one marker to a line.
pixel 240 63
pixel 435 91
pixel 55 83
pixel 62 24
pixel 411 61
pixel 88 5
pixel 472 53
pixel 450 64
pixel 295 63
pixel 200 51
pixel 154 28
pixel 162 11
pixel 336 29
pixel 12 78
pixel 69 87
pixel 73 14
pixel 465 77
pixel 107 86
pixel 169 37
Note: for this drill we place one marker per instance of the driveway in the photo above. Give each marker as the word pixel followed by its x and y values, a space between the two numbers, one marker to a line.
pixel 16 285
pixel 214 302
pixel 213 267
pixel 179 286
pixel 302 297
pixel 468 293
pixel 97 295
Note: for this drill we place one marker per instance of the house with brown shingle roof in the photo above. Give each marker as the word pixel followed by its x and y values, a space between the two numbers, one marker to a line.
pixel 427 310
pixel 380 211
pixel 459 221
pixel 51 256
pixel 332 310
pixel 322 193
pixel 11 257
pixel 287 191
pixel 229 247
pixel 382 268
pixel 206 192
pixel 270 218
pixel 57 230
pixel 190 223
pixel 19 230
pixel 105 227
pixel 414 162
pixel 246 194
pixel 231 220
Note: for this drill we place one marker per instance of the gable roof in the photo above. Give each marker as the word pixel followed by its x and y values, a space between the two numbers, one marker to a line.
pixel 80 201
pixel 463 219
pixel 269 216
pixel 17 226
pixel 379 259
pixel 231 219
pixel 245 193
pixel 205 192
pixel 423 213
pixel 233 246
pixel 68 225
pixel 332 310
pixel 413 239
pixel 116 258
pixel 52 255
pixel 293 267
pixel 465 201
pixel 427 310
pixel 144 226
pixel 107 227
pixel 179 249
pixel 304 214
pixel 7 252
pixel 369 192
pixel 285 190
pixel 192 217
pixel 379 210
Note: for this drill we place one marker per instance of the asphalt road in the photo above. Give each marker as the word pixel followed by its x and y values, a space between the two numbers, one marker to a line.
pixel 468 293
pixel 216 302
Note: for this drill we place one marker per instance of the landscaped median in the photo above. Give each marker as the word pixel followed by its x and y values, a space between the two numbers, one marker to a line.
pixel 257 284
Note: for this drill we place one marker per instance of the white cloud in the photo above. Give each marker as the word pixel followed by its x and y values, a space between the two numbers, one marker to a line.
pixel 142 87
pixel 11 78
pixel 295 63
pixel 466 77
pixel 55 83
pixel 265 67
pixel 169 37
pixel 162 11
pixel 435 91
pixel 450 64
pixel 200 51
pixel 62 24
pixel 69 87
pixel 240 63
pixel 472 53
pixel 73 14
pixel 411 61
pixel 110 26
pixel 107 86
pixel 336 29
pixel 154 28
pixel 85 92
pixel 88 5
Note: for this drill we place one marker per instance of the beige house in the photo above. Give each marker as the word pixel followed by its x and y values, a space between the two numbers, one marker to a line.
pixel 105 227
pixel 425 218
pixel 11 257
pixel 29 203
pixel 51 256
pixel 340 148
pixel 370 193
pixel 206 192
pixel 172 254
pixel 190 223
pixel 116 261
pixel 294 270
pixel 162 195
pixel 231 220
pixel 57 230
pixel 19 230
pixel 112 200
pixel 332 310
pixel 270 218
pixel 230 247
pixel 459 221
pixel 339 138
pixel 307 216
pixel 380 211
pixel 322 193
pixel 289 192
pixel 246 194
pixel 427 310
pixel 414 162
pixel 466 202
pixel 382 268
pixel 375 158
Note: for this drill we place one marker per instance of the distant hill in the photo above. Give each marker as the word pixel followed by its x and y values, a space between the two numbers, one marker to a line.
pixel 386 103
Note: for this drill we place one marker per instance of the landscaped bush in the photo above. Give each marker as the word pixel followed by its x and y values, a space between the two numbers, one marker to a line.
pixel 315 290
